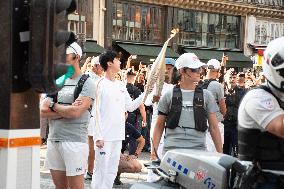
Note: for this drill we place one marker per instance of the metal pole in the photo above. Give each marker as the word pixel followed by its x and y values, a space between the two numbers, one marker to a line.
pixel 19 120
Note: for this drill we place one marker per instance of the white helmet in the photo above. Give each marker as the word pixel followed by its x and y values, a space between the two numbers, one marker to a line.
pixel 273 64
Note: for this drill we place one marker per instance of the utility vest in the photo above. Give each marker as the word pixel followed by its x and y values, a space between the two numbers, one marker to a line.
pixel 261 147
pixel 199 112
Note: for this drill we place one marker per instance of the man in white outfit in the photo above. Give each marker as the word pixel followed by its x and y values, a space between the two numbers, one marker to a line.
pixel 96 73
pixel 153 100
pixel 112 101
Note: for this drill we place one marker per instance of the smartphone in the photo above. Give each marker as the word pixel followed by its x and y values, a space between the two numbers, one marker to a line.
pixel 134 56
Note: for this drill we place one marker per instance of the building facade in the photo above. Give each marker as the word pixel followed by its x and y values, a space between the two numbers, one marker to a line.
pixel 237 28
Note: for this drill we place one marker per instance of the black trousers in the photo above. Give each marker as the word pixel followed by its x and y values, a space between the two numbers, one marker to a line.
pixel 230 139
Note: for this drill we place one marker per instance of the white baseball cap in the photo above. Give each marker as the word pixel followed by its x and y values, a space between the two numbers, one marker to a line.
pixel 74 48
pixel 188 60
pixel 214 64
pixel 95 61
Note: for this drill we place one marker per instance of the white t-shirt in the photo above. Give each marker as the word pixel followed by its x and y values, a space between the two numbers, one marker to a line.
pixel 112 101
pixel 257 109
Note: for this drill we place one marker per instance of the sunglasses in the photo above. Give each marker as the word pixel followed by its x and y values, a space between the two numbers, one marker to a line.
pixel 211 67
pixel 194 70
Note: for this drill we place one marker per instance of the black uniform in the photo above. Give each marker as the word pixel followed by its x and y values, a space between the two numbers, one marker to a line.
pixel 131 133
pixel 233 99
pixel 134 93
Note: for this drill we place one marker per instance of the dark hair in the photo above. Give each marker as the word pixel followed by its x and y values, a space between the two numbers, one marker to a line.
pixel 234 73
pixel 241 74
pixel 106 57
pixel 130 73
pixel 175 76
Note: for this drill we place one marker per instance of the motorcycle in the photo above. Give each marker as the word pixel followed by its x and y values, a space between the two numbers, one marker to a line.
pixel 193 169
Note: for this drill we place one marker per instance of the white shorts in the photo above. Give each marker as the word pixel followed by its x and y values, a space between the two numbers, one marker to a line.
pixel 71 157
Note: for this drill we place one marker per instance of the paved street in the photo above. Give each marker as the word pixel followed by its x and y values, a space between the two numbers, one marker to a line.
pixel 127 178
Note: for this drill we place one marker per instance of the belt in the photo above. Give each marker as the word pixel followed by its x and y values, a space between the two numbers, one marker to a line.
pixel 185 127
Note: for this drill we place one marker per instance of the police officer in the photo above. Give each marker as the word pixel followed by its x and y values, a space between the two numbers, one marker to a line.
pixel 185 127
pixel 261 122
pixel 233 95
pixel 132 118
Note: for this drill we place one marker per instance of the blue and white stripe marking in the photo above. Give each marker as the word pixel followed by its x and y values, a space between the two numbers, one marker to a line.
pixel 177 166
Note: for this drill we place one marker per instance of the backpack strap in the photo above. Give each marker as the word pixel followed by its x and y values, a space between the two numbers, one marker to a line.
pixel 53 96
pixel 200 115
pixel 79 87
pixel 198 99
pixel 176 98
pixel 205 83
pixel 80 84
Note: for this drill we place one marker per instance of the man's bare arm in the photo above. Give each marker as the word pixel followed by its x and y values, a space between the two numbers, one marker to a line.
pixel 276 126
pixel 215 132
pixel 45 111
pixel 141 143
pixel 222 105
pixel 158 131
pixel 143 114
pixel 74 111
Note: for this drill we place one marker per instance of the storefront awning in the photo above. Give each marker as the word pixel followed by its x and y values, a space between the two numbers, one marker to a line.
pixel 238 59
pixel 146 53
pixel 235 59
pixel 93 47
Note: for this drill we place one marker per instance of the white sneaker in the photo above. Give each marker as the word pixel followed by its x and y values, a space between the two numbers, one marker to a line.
pixel 152 177
pixel 88 176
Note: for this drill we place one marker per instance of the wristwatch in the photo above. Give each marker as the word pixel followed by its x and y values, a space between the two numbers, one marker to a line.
pixel 136 154
pixel 51 106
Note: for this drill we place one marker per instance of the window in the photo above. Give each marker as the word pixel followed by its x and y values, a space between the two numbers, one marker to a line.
pixel 89 18
pixel 208 29
pixel 136 22
pixel 266 31
pixel 274 31
pixel 269 2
